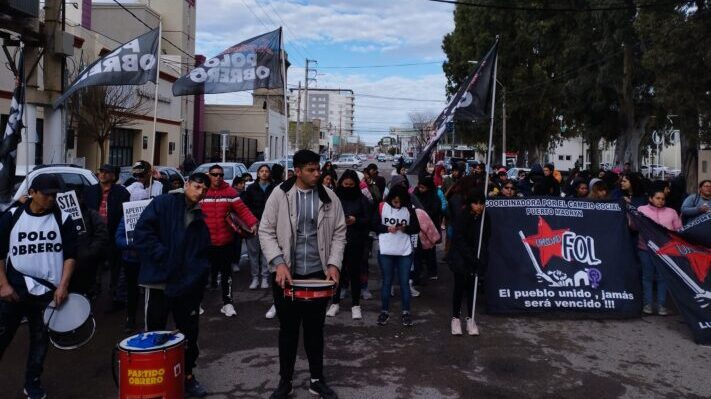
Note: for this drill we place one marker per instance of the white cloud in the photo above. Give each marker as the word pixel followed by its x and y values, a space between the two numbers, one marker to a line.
pixel 404 29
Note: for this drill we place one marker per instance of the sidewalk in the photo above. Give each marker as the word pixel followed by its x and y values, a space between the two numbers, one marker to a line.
pixel 515 357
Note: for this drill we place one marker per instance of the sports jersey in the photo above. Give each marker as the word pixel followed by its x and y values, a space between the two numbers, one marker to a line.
pixel 35 247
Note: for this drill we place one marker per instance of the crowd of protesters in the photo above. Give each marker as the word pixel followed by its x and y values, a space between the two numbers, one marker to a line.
pixel 307 223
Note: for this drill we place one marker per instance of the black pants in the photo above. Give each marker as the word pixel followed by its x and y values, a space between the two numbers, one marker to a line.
pixel 462 284
pixel 424 258
pixel 352 259
pixel 113 259
pixel 220 258
pixel 186 314
pixel 130 270
pixel 293 314
pixel 11 314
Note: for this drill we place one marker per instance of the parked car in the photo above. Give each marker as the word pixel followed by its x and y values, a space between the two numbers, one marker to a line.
pixel 388 158
pixel 513 172
pixel 347 162
pixel 167 172
pixel 363 157
pixel 232 169
pixel 72 177
pixel 253 168
pixel 382 158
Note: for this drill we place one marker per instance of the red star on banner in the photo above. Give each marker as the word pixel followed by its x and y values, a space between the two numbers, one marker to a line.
pixel 548 241
pixel 698 257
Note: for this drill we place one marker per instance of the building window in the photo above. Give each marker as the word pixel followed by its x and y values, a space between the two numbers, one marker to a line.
pixel 704 167
pixel 560 157
pixel 121 147
pixel 567 157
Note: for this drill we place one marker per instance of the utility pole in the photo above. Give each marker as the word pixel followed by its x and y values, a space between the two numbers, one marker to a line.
pixel 307 70
pixel 340 129
pixel 298 117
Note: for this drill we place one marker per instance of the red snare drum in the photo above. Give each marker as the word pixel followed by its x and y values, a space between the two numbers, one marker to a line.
pixel 152 372
pixel 309 290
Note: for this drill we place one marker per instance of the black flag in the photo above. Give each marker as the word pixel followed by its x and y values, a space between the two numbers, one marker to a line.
pixel 8 148
pixel 684 260
pixel 252 64
pixel 134 63
pixel 471 102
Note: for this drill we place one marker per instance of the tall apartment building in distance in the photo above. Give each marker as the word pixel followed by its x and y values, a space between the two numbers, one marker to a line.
pixel 335 108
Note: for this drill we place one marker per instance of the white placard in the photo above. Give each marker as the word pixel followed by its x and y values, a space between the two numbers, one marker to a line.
pixel 131 213
pixel 69 204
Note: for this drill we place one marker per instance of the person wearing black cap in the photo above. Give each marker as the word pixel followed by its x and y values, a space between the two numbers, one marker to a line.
pixel 37 252
pixel 107 198
pixel 145 183
pixel 172 241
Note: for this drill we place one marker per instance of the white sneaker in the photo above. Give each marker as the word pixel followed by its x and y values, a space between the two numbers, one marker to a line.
pixel 254 284
pixel 472 329
pixel 333 310
pixel 365 294
pixel 228 310
pixel 271 313
pixel 413 291
pixel 355 313
pixel 201 310
pixel 456 326
pixel 265 283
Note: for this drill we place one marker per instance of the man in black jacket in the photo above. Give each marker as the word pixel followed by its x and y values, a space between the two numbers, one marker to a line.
pixel 107 199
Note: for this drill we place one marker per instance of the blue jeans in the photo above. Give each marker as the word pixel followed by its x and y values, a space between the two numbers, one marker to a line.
pixel 388 266
pixel 649 268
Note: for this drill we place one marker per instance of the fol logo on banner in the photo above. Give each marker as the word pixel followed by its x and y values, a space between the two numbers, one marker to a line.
pixel 566 245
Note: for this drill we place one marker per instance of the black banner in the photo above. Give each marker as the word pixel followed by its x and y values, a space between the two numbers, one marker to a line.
pixel 561 255
pixel 134 63
pixel 471 102
pixel 252 64
pixel 685 263
pixel 13 133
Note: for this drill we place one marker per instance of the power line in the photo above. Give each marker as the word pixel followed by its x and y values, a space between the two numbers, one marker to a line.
pixel 380 66
pixel 275 24
pixel 149 27
pixel 290 31
pixel 556 9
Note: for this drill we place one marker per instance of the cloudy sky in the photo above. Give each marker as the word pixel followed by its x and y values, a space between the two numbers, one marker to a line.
pixel 345 33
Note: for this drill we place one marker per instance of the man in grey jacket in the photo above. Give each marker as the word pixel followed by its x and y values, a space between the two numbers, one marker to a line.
pixel 302 234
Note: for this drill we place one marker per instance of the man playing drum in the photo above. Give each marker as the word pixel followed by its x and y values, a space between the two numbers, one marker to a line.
pixel 37 250
pixel 171 238
pixel 303 235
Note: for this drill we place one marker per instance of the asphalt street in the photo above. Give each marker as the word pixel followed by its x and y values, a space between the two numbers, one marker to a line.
pixel 514 357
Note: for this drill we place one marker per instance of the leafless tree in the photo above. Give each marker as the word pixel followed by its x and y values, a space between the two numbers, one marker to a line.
pixel 422 123
pixel 97 110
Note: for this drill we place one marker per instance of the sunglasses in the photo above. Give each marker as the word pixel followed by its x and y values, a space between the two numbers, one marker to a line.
pixel 217 174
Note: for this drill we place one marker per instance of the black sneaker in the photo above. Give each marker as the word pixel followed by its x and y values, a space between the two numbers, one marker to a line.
pixel 283 390
pixel 383 318
pixel 33 390
pixel 193 388
pixel 320 388
pixel 406 319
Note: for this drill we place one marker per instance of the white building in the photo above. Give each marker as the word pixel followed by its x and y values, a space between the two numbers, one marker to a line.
pixel 334 107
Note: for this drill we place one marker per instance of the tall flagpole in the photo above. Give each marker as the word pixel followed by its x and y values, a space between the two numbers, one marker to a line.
pixel 486 180
pixel 286 116
pixel 155 104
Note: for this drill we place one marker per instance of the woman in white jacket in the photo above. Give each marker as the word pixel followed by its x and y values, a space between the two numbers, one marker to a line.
pixel 395 222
